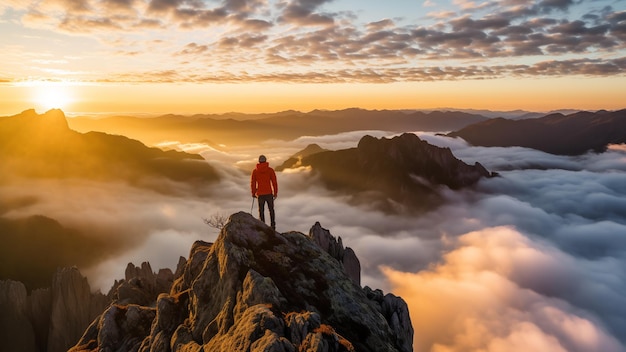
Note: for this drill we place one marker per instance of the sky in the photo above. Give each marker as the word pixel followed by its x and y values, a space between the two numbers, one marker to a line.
pixel 209 56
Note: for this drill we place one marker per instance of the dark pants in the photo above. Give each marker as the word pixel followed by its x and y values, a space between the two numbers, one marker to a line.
pixel 269 199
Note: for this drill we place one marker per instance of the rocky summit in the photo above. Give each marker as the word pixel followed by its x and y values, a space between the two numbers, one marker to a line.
pixel 258 290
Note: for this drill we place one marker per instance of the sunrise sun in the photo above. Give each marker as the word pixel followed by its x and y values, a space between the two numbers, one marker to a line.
pixel 52 96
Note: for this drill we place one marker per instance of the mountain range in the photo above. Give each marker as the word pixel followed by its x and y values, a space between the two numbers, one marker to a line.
pixel 250 129
pixel 572 134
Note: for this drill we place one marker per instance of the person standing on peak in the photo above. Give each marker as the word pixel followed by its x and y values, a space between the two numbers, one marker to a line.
pixel 264 187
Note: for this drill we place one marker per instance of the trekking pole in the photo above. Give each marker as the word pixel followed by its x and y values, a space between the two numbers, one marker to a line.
pixel 252 206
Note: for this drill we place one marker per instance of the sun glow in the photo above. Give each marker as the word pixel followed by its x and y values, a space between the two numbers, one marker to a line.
pixel 52 96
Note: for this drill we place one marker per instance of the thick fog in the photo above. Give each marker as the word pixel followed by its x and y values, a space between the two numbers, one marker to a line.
pixel 531 260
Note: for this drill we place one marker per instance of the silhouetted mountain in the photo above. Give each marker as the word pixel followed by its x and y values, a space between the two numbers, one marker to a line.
pixel 573 134
pixel 26 255
pixel 288 125
pixel 296 159
pixel 403 171
pixel 515 114
pixel 258 290
pixel 43 146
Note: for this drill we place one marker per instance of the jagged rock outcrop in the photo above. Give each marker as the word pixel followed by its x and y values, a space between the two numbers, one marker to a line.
pixel 50 319
pixel 398 174
pixel 572 134
pixel 141 285
pixel 334 247
pixel 258 290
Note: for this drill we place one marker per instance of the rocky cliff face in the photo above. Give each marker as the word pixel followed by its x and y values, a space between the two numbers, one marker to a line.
pixel 258 290
pixel 401 173
pixel 50 319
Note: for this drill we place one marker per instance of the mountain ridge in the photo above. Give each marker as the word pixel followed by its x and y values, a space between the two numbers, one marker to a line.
pixel 286 125
pixel 560 134
pixel 43 146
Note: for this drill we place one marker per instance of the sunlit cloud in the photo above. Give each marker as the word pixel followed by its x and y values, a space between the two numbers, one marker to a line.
pixel 486 295
pixel 440 15
pixel 619 147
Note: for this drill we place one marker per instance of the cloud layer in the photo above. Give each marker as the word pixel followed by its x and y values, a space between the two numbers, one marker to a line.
pixel 532 260
pixel 487 295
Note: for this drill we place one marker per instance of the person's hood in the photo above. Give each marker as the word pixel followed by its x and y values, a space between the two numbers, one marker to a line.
pixel 263 166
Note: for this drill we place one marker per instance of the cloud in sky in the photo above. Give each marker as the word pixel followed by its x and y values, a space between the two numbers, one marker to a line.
pixel 277 41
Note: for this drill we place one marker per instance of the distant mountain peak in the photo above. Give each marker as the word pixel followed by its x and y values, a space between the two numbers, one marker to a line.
pixel 296 158
pixel 55 118
pixel 29 121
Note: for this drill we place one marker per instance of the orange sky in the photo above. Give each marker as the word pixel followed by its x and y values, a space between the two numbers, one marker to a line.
pixel 528 94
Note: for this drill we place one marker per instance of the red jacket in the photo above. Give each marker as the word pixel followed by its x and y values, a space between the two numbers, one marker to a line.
pixel 263 180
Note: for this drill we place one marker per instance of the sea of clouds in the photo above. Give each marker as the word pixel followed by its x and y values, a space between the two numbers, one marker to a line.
pixel 532 260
